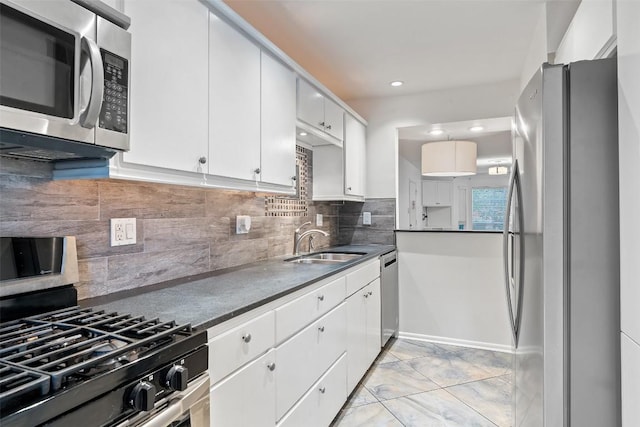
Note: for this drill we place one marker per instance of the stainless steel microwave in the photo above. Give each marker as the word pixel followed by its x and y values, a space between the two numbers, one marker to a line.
pixel 64 79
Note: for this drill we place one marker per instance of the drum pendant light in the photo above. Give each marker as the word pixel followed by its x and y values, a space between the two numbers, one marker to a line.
pixel 449 158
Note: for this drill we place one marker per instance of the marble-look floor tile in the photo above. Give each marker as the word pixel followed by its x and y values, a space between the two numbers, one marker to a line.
pixel 361 396
pixel 494 362
pixel 449 370
pixel 386 357
pixel 435 408
pixel 410 349
pixel 396 379
pixel 371 415
pixel 491 398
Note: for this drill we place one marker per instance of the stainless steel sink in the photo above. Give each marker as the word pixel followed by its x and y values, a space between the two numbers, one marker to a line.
pixel 326 258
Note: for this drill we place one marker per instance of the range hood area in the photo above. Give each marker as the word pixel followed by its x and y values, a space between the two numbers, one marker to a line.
pixel 28 146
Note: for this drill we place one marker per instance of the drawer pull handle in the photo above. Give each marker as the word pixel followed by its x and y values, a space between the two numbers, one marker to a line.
pixel 271 366
pixel 321 297
pixel 322 389
pixel 366 295
pixel 246 337
pixel 321 328
pixel 370 293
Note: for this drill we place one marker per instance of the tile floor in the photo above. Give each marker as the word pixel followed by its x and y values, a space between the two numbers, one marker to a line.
pixel 415 383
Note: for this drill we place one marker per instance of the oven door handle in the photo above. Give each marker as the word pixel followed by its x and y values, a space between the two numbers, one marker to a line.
pixel 181 404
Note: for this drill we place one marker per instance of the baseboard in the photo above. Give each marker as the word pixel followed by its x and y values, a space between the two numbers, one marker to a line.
pixel 453 341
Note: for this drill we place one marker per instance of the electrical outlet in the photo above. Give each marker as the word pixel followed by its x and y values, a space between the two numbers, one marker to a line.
pixel 123 231
pixel 366 218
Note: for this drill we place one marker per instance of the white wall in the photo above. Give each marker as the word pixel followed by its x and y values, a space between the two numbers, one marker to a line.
pixel 408 171
pixel 452 289
pixel 591 34
pixel 628 33
pixel 385 115
pixel 538 49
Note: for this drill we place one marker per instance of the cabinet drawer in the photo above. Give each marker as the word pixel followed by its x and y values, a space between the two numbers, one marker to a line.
pixel 363 276
pixel 302 359
pixel 246 398
pixel 234 348
pixel 323 400
pixel 297 314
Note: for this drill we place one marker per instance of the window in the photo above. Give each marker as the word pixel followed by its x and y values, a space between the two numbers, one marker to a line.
pixel 487 207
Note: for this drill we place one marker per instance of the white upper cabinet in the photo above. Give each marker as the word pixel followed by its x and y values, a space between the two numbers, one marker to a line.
pixel 310 105
pixel 278 123
pixel 319 112
pixel 436 193
pixel 169 101
pixel 339 172
pixel 234 103
pixel 333 119
pixel 252 100
pixel 354 156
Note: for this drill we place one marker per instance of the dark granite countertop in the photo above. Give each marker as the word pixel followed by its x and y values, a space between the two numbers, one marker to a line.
pixel 209 299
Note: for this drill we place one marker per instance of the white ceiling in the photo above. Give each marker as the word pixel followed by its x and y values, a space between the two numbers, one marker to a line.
pixel 356 47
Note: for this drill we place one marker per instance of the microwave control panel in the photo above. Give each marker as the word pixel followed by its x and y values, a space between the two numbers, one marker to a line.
pixel 114 112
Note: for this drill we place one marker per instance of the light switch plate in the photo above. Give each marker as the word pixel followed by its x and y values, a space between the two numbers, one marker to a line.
pixel 318 220
pixel 123 231
pixel 366 218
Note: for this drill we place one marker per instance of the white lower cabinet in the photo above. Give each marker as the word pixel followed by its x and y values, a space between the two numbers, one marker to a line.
pixel 363 331
pixel 246 398
pixel 302 359
pixel 321 403
pixel 294 363
pixel 240 345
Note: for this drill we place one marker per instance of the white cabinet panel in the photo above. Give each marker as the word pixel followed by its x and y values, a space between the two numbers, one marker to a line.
pixel 323 400
pixel 436 193
pixel 247 398
pixel 630 382
pixel 169 103
pixel 302 359
pixel 362 276
pixel 354 156
pixel 333 119
pixel 234 348
pixel 319 112
pixel 234 102
pixel 310 105
pixel 297 314
pixel 374 321
pixel 278 123
pixel 363 332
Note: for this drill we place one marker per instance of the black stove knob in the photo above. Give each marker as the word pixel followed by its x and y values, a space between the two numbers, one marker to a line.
pixel 177 378
pixel 143 396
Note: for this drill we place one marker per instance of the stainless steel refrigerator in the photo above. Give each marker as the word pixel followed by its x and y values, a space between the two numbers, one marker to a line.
pixel 561 246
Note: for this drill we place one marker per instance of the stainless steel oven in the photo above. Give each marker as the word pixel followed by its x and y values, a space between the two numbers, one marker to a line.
pixel 64 365
pixel 187 408
pixel 64 75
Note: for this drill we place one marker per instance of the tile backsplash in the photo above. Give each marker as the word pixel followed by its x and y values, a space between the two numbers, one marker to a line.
pixel 181 231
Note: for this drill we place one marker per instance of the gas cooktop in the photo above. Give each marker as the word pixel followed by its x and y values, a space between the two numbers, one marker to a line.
pixel 54 364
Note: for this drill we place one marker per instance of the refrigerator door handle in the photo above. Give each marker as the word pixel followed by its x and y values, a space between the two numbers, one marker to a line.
pixel 521 255
pixel 507 252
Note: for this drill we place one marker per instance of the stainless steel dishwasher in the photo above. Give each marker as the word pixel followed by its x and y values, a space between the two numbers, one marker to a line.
pixel 389 295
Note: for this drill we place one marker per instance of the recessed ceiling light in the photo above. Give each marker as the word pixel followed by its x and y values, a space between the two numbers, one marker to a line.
pixel 476 128
pixel 436 132
pixel 396 83
pixel 302 134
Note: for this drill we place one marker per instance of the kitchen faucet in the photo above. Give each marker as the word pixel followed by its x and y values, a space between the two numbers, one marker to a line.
pixel 297 236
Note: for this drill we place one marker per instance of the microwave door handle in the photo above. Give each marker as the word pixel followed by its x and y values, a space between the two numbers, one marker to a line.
pixel 89 116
